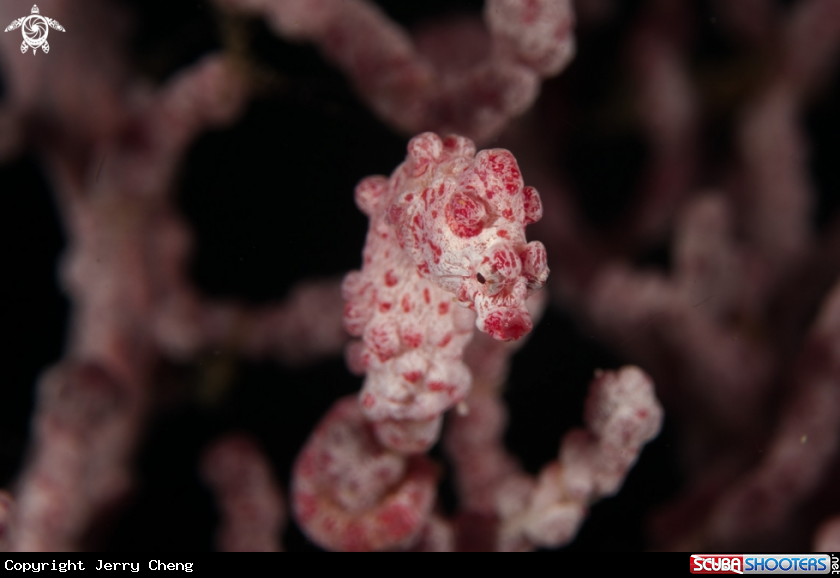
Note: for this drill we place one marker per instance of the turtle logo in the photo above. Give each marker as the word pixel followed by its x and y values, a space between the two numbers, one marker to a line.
pixel 35 30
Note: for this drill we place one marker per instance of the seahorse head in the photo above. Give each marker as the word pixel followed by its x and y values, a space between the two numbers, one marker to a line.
pixel 462 217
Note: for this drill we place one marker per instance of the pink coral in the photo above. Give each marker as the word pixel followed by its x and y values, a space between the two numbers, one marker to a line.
pixel 452 77
pixel 622 414
pixel 253 510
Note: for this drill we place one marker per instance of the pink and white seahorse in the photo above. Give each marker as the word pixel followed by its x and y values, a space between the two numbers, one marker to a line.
pixel 446 249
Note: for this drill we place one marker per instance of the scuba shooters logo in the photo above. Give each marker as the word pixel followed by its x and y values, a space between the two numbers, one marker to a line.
pixel 794 564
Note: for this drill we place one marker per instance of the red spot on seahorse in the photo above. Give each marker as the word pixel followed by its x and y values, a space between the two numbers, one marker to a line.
pixel 412 376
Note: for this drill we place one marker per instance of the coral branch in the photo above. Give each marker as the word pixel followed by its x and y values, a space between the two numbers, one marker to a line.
pixel 305 327
pixel 253 513
pixel 801 451
pixel 494 76
pixel 827 538
pixel 123 240
pixel 7 505
pixel 684 321
pixel 622 414
pixel 85 431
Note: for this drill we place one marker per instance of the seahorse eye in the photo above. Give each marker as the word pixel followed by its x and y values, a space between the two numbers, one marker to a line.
pixel 480 278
